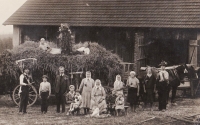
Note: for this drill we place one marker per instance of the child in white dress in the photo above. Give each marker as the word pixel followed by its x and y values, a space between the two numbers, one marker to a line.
pixel 119 103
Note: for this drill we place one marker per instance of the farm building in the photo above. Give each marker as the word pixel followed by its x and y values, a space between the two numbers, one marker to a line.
pixel 140 32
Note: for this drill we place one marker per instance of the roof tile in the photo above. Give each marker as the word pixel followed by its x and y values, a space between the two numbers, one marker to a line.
pixel 116 13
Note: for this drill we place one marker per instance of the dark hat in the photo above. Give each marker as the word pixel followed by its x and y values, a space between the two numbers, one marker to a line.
pixel 163 63
pixel 45 76
pixel 25 68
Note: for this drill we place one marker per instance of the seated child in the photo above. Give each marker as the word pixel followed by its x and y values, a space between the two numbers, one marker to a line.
pixel 119 103
pixel 70 95
pixel 77 101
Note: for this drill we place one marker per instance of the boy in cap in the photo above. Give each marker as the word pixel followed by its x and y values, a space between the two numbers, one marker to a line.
pixel 44 93
pixel 71 94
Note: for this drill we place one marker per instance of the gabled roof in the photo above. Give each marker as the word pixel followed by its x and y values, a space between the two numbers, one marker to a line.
pixel 113 13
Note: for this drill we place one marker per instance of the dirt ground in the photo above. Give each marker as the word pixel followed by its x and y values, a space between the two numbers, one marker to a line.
pixel 9 115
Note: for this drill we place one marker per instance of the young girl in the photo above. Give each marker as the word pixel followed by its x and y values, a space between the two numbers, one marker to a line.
pixel 118 85
pixel 77 101
pixel 149 87
pixel 119 103
pixel 133 90
pixel 44 93
pixel 86 87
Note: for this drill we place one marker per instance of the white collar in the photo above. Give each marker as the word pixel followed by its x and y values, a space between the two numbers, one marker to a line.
pixel 88 78
pixel 62 74
pixel 71 93
pixel 98 87
pixel 149 75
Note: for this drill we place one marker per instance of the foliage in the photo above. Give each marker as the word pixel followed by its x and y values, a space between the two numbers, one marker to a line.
pixel 102 63
pixel 5 42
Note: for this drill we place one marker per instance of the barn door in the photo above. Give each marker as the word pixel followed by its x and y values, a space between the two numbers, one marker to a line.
pixel 140 51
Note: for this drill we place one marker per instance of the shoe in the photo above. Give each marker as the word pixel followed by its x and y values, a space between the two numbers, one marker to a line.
pixel 24 112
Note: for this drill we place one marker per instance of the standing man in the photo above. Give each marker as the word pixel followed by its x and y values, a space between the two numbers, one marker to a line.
pixel 163 82
pixel 24 90
pixel 61 86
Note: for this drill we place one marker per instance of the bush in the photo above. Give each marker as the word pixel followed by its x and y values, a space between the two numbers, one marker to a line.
pixel 103 64
pixel 5 42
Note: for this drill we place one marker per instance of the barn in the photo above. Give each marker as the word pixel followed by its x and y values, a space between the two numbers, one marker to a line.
pixel 140 32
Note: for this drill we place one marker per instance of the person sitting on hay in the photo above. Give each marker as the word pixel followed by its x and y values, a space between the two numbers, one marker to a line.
pixel 44 45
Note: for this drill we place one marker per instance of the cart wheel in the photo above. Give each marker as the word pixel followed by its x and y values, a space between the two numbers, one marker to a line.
pixel 32 95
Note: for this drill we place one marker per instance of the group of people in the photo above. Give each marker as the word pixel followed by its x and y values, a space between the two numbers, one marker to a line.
pixel 91 94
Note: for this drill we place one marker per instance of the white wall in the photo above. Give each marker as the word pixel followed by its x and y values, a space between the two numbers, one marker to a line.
pixel 16 35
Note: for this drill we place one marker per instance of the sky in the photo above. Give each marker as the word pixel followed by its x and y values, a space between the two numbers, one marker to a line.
pixel 7 8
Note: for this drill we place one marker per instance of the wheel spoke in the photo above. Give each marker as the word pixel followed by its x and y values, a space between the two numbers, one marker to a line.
pixel 31 99
pixel 32 95
pixel 17 98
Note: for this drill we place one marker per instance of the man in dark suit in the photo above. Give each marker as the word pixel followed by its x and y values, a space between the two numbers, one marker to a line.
pixel 61 86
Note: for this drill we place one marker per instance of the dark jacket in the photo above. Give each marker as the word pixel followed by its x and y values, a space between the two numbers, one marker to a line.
pixel 149 82
pixel 61 84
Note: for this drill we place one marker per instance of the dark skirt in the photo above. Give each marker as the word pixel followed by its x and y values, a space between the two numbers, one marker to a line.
pixel 132 96
pixel 149 96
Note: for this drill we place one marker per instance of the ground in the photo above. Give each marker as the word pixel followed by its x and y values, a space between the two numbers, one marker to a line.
pixel 9 115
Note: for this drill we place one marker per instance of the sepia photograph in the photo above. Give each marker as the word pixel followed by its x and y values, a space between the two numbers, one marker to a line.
pixel 99 62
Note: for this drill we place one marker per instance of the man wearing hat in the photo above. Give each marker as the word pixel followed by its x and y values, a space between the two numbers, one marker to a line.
pixel 163 81
pixel 61 86
pixel 44 93
pixel 24 90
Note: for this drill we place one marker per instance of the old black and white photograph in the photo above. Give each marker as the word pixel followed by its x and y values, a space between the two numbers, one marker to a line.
pixel 99 62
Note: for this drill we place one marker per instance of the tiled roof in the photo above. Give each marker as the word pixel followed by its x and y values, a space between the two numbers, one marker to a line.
pixel 113 13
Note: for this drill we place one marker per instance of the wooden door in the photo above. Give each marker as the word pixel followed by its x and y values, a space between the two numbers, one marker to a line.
pixel 140 51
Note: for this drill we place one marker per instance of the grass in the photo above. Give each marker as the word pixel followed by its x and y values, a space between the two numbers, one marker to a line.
pixel 9 115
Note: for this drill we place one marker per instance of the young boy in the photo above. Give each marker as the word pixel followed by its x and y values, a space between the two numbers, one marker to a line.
pixel 70 95
pixel 77 101
pixel 44 93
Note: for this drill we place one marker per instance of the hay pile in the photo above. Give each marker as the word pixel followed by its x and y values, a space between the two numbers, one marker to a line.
pixel 102 63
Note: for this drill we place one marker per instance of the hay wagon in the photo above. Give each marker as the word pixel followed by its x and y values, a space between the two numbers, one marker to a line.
pixel 75 78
